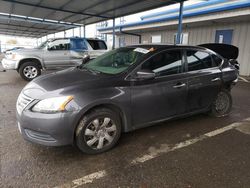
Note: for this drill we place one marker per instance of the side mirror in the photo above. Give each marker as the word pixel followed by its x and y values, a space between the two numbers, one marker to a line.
pixel 145 74
pixel 85 59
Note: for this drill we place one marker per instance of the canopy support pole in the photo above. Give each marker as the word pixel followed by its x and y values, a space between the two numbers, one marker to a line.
pixel 84 31
pixel 178 39
pixel 113 46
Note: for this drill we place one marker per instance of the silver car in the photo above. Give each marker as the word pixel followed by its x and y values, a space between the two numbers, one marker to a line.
pixel 53 54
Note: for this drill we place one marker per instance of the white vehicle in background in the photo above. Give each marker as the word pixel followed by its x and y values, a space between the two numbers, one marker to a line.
pixel 57 53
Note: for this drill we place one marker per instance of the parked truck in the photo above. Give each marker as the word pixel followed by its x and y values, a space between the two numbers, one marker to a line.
pixel 56 53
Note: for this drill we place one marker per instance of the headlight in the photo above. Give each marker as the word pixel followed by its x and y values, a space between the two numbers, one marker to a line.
pixel 13 56
pixel 50 105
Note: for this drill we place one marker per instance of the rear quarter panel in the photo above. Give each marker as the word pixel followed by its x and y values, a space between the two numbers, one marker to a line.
pixel 229 74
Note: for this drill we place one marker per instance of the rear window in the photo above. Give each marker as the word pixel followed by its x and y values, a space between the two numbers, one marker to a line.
pixel 217 60
pixel 97 44
pixel 198 60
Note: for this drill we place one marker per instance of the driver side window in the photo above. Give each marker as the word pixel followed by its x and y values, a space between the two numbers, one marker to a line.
pixel 165 63
pixel 59 45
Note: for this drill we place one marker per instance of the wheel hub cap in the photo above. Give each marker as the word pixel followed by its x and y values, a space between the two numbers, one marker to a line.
pixel 100 133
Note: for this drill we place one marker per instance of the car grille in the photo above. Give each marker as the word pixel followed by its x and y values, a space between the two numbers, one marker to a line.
pixel 22 102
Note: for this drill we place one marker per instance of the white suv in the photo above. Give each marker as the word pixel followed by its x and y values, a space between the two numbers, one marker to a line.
pixel 53 54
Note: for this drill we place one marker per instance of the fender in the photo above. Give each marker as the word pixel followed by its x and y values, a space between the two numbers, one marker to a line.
pixel 30 57
pixel 126 121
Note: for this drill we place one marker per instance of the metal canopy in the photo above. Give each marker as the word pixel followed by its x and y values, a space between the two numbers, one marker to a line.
pixel 18 26
pixel 59 15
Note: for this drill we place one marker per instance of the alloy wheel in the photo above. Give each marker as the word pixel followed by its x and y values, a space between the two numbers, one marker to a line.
pixel 30 72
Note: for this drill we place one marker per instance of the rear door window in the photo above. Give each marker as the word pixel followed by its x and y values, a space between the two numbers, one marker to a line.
pixel 97 44
pixel 77 44
pixel 165 63
pixel 198 60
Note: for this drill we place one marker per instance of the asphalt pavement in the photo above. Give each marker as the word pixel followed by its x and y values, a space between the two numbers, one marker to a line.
pixel 198 151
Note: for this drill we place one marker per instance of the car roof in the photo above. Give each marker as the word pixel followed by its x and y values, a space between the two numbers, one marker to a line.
pixel 165 46
pixel 53 39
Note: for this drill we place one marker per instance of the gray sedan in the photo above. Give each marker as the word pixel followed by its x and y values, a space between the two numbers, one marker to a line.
pixel 123 90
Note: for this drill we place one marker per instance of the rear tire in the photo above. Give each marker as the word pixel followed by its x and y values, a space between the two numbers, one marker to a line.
pixel 29 70
pixel 98 131
pixel 222 104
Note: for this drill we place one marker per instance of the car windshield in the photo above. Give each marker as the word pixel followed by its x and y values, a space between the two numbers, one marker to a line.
pixel 43 45
pixel 116 61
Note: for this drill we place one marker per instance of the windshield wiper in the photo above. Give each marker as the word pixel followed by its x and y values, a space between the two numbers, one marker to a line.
pixel 85 68
pixel 94 71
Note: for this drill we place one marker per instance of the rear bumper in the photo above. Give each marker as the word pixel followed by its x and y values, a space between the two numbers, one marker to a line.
pixel 9 64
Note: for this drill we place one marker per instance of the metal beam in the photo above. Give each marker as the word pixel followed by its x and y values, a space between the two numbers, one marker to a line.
pixel 21 26
pixel 113 46
pixel 84 31
pixel 18 30
pixel 17 34
pixel 25 19
pixel 178 38
pixel 55 9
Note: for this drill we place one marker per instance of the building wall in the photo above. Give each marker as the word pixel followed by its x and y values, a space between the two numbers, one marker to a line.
pixel 206 34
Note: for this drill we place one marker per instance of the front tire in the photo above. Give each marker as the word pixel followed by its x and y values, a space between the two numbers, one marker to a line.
pixel 29 70
pixel 98 131
pixel 222 104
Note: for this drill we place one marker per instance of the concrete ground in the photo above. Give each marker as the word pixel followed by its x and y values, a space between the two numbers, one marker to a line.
pixel 199 151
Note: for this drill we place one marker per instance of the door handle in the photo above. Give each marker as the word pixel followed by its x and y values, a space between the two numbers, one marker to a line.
pixel 215 79
pixel 179 85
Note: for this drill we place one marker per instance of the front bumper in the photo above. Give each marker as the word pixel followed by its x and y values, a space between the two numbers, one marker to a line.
pixel 9 64
pixel 48 129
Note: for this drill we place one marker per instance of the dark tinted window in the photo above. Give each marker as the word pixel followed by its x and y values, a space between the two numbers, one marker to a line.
pixel 217 60
pixel 97 44
pixel 198 60
pixel 77 44
pixel 165 63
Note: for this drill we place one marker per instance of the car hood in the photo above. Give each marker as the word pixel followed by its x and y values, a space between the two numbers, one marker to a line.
pixel 26 51
pixel 60 82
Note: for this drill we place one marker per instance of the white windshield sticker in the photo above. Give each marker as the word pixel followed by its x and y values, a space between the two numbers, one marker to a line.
pixel 141 50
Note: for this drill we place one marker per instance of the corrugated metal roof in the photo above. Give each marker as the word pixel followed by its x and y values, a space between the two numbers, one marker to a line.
pixel 189 11
pixel 67 13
